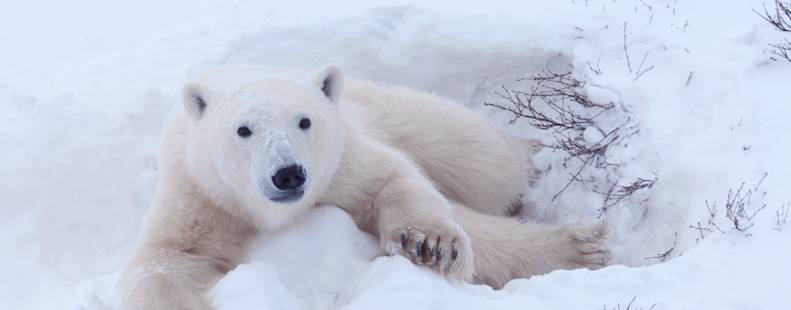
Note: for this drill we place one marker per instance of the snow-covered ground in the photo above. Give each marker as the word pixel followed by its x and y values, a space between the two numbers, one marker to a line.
pixel 85 86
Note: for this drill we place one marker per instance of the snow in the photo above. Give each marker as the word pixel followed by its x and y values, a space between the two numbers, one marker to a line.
pixel 85 86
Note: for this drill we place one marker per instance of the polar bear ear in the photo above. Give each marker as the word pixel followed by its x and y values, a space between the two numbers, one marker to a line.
pixel 330 81
pixel 194 98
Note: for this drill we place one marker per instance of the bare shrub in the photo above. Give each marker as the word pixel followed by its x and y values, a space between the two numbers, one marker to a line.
pixel 737 215
pixel 735 209
pixel 561 92
pixel 780 18
pixel 558 104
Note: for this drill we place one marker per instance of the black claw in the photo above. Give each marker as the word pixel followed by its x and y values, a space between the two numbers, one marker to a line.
pixel 435 256
pixel 403 241
pixel 436 253
pixel 453 252
pixel 419 248
pixel 426 253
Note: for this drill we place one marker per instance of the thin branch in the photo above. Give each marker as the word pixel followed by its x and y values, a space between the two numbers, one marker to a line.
pixel 662 257
pixel 625 49
pixel 780 17
pixel 573 178
pixel 781 50
pixel 639 74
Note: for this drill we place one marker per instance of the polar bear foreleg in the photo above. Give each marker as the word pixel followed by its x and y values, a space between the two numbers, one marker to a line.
pixel 414 221
pixel 185 251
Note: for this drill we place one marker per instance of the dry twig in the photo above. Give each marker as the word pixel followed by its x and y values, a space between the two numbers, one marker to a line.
pixel 662 257
pixel 630 306
pixel 782 217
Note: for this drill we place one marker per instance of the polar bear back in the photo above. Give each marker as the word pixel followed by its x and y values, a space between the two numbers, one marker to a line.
pixel 470 160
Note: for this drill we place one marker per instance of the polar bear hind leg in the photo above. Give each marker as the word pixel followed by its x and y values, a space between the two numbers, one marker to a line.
pixel 505 248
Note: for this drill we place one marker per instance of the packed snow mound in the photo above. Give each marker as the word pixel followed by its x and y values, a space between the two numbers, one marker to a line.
pixel 325 262
pixel 268 292
pixel 82 104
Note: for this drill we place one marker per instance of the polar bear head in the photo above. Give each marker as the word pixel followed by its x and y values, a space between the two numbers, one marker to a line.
pixel 261 143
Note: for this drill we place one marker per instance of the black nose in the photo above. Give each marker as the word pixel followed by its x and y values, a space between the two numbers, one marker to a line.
pixel 289 177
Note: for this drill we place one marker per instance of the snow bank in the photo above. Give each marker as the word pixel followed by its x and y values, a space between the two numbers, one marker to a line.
pixel 85 86
pixel 325 263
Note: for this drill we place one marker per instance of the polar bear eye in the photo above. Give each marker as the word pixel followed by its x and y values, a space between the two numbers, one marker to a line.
pixel 244 132
pixel 304 123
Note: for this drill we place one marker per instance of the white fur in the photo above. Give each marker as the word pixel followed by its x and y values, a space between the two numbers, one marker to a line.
pixel 430 178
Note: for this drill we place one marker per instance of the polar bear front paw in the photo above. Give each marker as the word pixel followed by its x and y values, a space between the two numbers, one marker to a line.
pixel 444 249
pixel 586 247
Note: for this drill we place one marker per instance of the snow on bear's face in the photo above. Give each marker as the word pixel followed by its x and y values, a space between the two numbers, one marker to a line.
pixel 270 144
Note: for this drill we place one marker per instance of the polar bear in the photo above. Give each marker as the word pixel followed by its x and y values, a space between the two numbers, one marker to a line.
pixel 251 149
